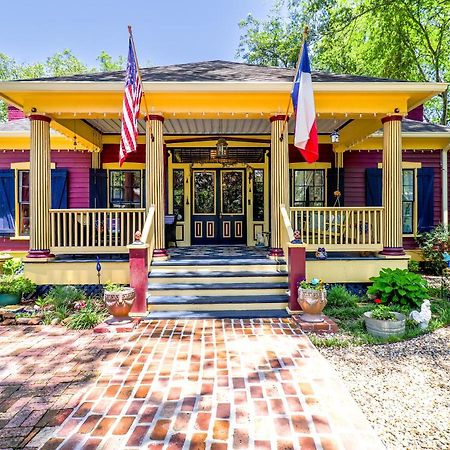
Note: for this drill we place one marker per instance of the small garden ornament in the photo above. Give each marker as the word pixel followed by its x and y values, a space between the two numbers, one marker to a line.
pixel 423 316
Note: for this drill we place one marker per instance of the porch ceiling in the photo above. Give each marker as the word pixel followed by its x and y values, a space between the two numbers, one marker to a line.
pixel 213 126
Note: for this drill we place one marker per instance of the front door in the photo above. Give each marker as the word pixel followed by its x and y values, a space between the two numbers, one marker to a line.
pixel 218 207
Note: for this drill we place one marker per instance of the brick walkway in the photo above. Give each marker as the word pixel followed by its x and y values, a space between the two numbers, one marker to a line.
pixel 215 384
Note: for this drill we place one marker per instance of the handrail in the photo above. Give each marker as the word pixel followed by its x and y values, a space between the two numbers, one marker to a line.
pixel 148 233
pixel 287 223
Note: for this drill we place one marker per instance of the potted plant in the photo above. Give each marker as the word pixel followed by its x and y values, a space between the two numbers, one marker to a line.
pixel 383 323
pixel 13 287
pixel 312 298
pixel 119 300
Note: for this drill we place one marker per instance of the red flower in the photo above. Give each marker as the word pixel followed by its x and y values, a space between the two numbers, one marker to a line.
pixel 377 301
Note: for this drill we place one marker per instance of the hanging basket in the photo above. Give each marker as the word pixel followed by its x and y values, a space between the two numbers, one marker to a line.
pixel 312 302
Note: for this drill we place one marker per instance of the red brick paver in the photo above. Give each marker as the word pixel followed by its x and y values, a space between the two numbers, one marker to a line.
pixel 213 384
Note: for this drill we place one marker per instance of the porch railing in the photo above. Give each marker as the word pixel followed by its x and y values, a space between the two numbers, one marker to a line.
pixel 94 230
pixel 340 229
pixel 148 233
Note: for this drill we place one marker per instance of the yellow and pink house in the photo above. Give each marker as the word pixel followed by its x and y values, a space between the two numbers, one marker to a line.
pixel 216 167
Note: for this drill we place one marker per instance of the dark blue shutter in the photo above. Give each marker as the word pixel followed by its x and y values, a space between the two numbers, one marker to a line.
pixel 332 185
pixel 7 202
pixel 374 182
pixel 98 188
pixel 425 198
pixel 59 188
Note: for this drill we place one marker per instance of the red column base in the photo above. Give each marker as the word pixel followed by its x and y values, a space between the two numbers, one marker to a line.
pixel 139 279
pixel 160 253
pixel 296 273
pixel 275 253
pixel 39 254
pixel 393 251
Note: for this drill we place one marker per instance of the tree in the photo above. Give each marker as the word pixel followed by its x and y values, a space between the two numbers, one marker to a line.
pixel 399 39
pixel 59 64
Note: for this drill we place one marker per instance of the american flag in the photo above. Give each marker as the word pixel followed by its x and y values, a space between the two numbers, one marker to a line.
pixel 131 105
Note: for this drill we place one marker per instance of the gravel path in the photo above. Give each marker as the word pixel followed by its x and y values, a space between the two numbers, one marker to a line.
pixel 403 388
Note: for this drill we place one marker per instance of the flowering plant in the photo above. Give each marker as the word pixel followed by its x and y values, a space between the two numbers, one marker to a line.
pixel 314 284
pixel 377 300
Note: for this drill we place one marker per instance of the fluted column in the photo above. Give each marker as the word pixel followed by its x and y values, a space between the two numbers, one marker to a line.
pixel 392 186
pixel 40 187
pixel 154 167
pixel 279 181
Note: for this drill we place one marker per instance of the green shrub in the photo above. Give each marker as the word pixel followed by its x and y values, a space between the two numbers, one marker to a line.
pixel 433 244
pixel 12 266
pixel 65 295
pixel 16 285
pixel 413 266
pixel 338 295
pixel 383 313
pixel 399 287
pixel 112 287
pixel 87 315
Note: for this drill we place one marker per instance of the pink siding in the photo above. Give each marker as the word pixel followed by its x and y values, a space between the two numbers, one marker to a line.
pixel 78 165
pixel 14 113
pixel 355 164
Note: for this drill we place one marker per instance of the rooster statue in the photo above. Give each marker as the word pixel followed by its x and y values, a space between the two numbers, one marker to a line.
pixel 422 317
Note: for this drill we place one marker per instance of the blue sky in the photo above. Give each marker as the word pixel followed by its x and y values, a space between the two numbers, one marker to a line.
pixel 165 31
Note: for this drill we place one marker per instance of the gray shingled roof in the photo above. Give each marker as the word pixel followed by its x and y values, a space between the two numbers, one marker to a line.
pixel 20 125
pixel 214 71
pixel 414 126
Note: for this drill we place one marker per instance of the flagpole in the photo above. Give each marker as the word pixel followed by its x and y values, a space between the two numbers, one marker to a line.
pixel 286 116
pixel 147 114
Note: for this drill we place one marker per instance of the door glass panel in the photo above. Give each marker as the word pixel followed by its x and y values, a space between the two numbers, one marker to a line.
pixel 232 192
pixel 204 192
pixel 178 193
pixel 258 194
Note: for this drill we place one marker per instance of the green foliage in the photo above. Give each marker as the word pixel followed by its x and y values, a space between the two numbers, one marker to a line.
pixel 12 266
pixel 60 64
pixel 16 285
pixel 112 287
pixel 65 296
pixel 383 313
pixel 407 39
pixel 413 266
pixel 433 244
pixel 339 296
pixel 91 314
pixel 399 287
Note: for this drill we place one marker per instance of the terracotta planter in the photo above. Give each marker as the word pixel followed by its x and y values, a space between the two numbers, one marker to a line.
pixel 385 328
pixel 312 302
pixel 119 303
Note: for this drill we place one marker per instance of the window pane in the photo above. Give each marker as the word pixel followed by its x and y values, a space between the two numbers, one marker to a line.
pixel 308 188
pixel 178 193
pixel 125 188
pixel 407 217
pixel 204 193
pixel 232 199
pixel 258 194
pixel 24 203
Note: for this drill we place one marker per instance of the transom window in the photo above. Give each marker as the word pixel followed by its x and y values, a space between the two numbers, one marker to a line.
pixel 125 188
pixel 307 187
pixel 24 202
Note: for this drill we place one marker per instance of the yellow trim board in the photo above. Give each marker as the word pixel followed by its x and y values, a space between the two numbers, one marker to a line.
pixel 217 307
pixel 305 165
pixel 406 165
pixel 25 165
pixel 125 166
pixel 76 272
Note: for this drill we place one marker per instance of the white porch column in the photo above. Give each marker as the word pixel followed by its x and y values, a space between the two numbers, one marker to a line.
pixel 154 168
pixel 40 187
pixel 279 181
pixel 392 186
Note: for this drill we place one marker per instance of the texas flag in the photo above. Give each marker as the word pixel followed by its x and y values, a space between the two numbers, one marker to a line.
pixel 305 138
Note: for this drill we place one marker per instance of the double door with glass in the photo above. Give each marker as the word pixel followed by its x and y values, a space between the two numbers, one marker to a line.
pixel 218 207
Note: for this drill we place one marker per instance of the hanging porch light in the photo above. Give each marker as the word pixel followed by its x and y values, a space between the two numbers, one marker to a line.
pixel 335 137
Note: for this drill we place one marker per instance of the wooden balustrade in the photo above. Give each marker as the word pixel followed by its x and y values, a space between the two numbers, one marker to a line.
pixel 339 229
pixel 81 231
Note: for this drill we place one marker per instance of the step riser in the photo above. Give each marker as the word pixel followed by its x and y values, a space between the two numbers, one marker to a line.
pixel 217 268
pixel 219 307
pixel 215 293
pixel 206 280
